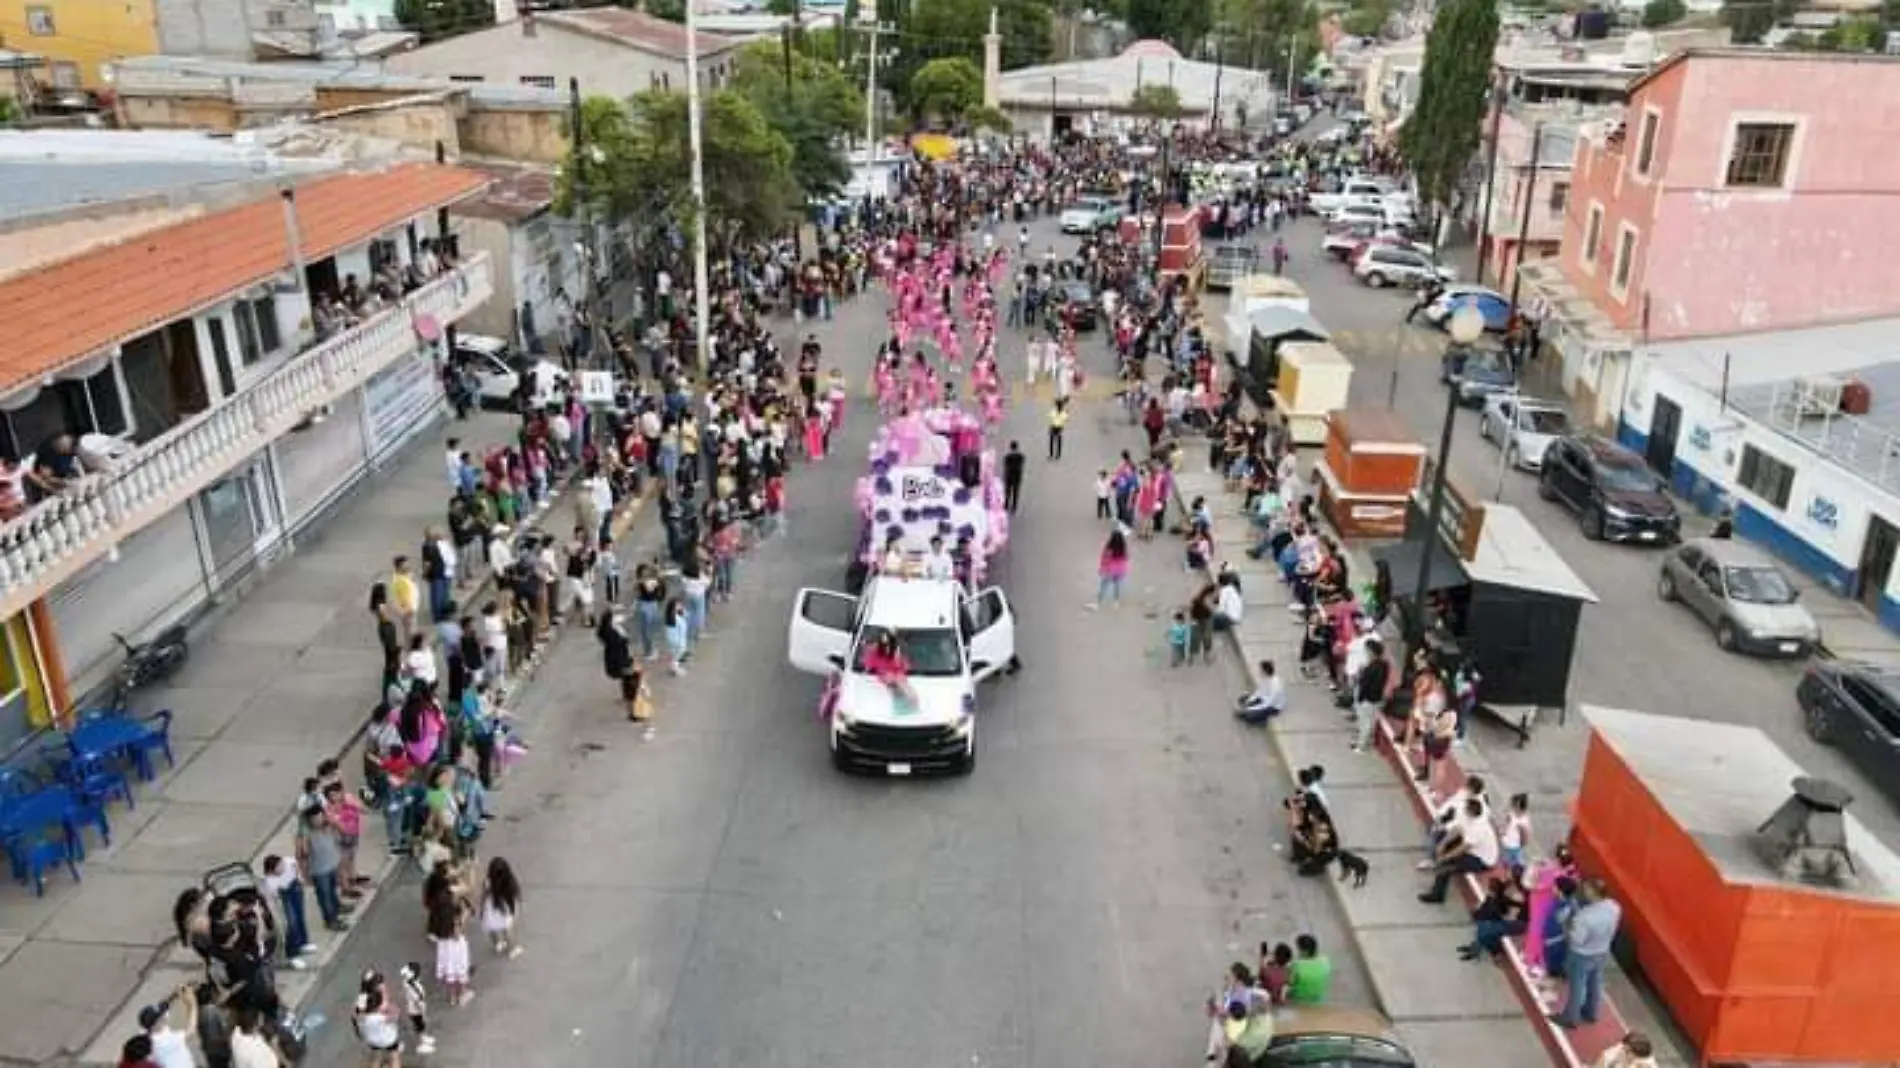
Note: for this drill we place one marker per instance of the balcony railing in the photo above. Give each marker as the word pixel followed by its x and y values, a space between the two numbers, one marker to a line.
pixel 60 535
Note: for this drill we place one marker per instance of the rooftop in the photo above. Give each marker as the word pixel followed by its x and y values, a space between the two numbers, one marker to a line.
pixel 47 171
pixel 637 29
pixel 137 74
pixel 106 296
pixel 513 195
pixel 1719 782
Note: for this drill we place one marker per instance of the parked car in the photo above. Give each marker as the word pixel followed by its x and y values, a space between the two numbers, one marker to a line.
pixel 1614 493
pixel 498 368
pixel 1855 707
pixel 1523 427
pixel 1090 214
pixel 1477 374
pixel 1741 593
pixel 1383 264
pixel 1493 305
pixel 1345 239
pixel 1371 211
pixel 1333 1036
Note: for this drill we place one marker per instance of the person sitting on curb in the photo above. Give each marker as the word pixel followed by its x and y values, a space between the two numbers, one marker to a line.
pixel 1266 701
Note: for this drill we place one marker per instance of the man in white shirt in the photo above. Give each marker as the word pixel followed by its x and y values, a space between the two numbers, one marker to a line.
pixel 1470 849
pixel 453 461
pixel 171 1046
pixel 501 555
pixel 1266 701
pixel 1229 607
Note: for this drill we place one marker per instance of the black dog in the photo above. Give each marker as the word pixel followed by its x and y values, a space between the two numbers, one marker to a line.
pixel 1353 866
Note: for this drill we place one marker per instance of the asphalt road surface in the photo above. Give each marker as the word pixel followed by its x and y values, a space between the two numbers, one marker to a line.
pixel 721 896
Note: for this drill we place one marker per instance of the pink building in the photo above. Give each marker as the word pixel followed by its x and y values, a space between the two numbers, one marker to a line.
pixel 1744 191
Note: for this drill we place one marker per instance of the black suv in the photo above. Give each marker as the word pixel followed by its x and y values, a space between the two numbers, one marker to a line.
pixel 1614 493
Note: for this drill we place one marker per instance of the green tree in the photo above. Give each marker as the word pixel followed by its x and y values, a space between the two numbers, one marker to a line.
pixel 1182 23
pixel 1750 20
pixel 814 113
pixel 942 29
pixel 1442 133
pixel 436 19
pixel 984 117
pixel 1660 13
pixel 1368 18
pixel 637 163
pixel 1856 33
pixel 946 88
pixel 1268 34
pixel 1156 100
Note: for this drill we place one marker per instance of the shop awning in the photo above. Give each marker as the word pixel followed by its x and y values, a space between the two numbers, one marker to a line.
pixel 1404 560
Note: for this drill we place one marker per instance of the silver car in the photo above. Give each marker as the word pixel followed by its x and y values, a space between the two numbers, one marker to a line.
pixel 1523 427
pixel 1742 594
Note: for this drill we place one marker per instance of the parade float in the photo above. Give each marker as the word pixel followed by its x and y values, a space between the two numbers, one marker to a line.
pixel 930 475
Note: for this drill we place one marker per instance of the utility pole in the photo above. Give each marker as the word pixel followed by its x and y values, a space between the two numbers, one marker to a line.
pixel 870 90
pixel 1292 67
pixel 1490 179
pixel 1524 215
pixel 1220 67
pixel 702 297
pixel 584 216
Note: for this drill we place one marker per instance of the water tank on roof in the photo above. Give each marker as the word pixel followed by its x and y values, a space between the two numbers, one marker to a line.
pixel 1639 50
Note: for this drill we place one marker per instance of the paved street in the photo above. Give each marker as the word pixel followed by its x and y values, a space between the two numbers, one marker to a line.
pixel 1635 652
pixel 720 895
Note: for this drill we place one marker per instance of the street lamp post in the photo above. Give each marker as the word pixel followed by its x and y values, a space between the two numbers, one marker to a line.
pixel 1465 327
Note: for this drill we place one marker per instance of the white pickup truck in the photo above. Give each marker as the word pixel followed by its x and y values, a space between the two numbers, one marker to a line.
pixel 953 640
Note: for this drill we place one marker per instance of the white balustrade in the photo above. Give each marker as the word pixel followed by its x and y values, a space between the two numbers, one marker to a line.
pixel 55 536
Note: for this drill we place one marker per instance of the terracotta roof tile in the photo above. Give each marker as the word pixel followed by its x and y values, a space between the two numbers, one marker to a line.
pixel 71 310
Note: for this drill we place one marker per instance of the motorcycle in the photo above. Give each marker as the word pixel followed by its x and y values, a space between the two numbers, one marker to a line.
pixel 152 661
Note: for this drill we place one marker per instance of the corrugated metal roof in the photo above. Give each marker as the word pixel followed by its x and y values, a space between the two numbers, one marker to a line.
pixel 45 171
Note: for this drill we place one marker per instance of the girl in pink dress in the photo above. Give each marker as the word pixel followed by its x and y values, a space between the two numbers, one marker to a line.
pixel 814 433
pixel 886 380
pixel 1145 496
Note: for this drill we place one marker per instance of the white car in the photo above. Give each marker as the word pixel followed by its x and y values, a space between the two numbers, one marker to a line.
pixel 1090 214
pixel 1524 427
pixel 498 369
pixel 1384 265
pixel 952 640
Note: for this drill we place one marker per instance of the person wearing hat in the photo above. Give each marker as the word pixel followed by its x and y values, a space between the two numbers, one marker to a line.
pixel 170 1047
pixel 136 1053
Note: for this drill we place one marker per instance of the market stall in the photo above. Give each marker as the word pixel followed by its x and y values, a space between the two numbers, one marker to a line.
pixel 1500 600
pixel 1313 382
pixel 1366 479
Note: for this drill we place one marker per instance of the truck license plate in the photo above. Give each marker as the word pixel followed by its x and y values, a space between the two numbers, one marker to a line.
pixel 1648 535
pixel 1790 647
pixel 898 769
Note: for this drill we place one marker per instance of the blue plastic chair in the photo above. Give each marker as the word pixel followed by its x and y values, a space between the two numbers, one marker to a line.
pixel 44 856
pixel 83 812
pixel 94 778
pixel 157 738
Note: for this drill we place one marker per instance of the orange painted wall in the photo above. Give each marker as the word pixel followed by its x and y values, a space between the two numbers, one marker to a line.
pixel 1750 973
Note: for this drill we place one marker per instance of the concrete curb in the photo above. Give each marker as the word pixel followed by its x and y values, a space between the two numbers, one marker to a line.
pixel 299 987
pixel 1556 1042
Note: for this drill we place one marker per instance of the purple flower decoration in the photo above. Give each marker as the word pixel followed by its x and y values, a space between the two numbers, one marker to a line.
pixel 891 458
pixel 882 486
pixel 946 470
pixel 961 496
pixel 893 531
pixel 910 515
pixel 967 530
pixel 882 515
pixel 880 466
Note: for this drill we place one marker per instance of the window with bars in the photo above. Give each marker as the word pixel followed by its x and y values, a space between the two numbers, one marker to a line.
pixel 1759 159
pixel 1766 477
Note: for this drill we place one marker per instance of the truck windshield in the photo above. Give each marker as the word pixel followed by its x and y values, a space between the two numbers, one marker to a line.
pixel 932 653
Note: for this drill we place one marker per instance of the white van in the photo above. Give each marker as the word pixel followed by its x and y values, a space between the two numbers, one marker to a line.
pixel 953 640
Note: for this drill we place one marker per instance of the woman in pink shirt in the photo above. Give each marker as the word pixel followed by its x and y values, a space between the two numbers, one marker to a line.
pixel 886 662
pixel 1111 570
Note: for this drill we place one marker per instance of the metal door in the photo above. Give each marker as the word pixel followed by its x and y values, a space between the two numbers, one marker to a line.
pixel 1665 422
pixel 1876 561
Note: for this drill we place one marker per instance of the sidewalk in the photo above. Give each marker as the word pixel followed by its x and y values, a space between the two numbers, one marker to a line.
pixel 282 681
pixel 1450 1012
